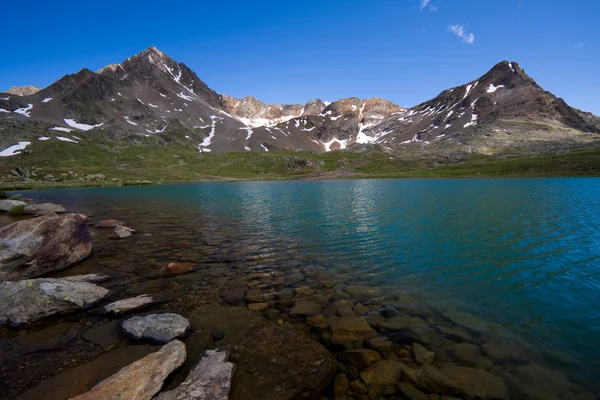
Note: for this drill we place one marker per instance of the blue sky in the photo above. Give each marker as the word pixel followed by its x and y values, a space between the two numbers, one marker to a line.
pixel 289 52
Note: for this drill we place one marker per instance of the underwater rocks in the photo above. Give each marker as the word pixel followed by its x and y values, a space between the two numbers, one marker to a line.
pixel 142 379
pixel 43 209
pixel 36 246
pixel 30 300
pixel 275 363
pixel 160 328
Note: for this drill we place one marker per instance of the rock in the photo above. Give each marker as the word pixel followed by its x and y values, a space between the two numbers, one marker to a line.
pixel 476 383
pixel 405 329
pixel 340 385
pixel 537 382
pixel 142 379
pixel 316 320
pixel 109 223
pixel 429 379
pixel 176 268
pixel 125 305
pixel 234 297
pixel 502 352
pixel 362 292
pixel 257 306
pixel 44 209
pixel 359 358
pixel 382 373
pixel 411 392
pixel 277 363
pixel 455 334
pixel 350 332
pixel 469 355
pixel 36 246
pixel 121 233
pixel 94 278
pixel 305 307
pixel 358 387
pixel 51 338
pixel 304 291
pixel 360 309
pixel 160 328
pixel 30 300
pixel 379 343
pixel 209 380
pixel 82 378
pixel 422 355
pixel 286 294
pixel 7 205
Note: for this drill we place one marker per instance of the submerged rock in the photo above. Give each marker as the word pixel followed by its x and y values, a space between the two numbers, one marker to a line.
pixel 274 363
pixel 44 209
pixel 476 383
pixel 30 300
pixel 122 232
pixel 305 307
pixel 359 358
pixel 87 278
pixel 36 246
pixel 125 305
pixel 160 328
pixel 209 380
pixel 382 373
pixel 142 379
pixel 175 268
pixel 362 292
pixel 350 332
pixel 109 223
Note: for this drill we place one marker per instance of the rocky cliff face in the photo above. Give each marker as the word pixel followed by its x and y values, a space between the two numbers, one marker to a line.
pixel 23 90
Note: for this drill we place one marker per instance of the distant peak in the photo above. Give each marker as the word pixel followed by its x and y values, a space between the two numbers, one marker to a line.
pixel 23 90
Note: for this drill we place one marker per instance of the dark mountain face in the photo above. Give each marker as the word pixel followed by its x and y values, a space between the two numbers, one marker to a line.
pixel 151 95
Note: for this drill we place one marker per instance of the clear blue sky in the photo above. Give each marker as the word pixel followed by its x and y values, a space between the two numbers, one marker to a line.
pixel 290 52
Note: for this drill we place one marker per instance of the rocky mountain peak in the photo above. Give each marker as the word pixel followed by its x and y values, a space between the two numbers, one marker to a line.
pixel 23 90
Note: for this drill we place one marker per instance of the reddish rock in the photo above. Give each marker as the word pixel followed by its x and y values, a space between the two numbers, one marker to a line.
pixel 109 223
pixel 176 268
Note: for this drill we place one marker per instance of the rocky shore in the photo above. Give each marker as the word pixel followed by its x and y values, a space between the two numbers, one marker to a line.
pixel 82 319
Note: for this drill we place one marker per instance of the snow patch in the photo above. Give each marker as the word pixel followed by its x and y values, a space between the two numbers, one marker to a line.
pixel 61 129
pixel 64 139
pixel 492 88
pixel 162 95
pixel 152 105
pixel 43 138
pixel 263 146
pixel 24 111
pixel 473 121
pixel 467 92
pixel 447 126
pixel 83 127
pixel 47 99
pixel 208 139
pixel 342 143
pixel 3 110
pixel 129 121
pixel 14 150
pixel 511 67
pixel 184 96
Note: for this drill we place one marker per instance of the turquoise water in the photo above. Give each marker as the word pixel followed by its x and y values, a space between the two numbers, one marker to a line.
pixel 522 254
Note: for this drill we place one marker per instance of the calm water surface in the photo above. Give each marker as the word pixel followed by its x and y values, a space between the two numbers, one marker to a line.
pixel 523 255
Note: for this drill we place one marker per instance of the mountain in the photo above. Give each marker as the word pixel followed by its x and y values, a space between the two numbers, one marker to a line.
pixel 23 90
pixel 151 98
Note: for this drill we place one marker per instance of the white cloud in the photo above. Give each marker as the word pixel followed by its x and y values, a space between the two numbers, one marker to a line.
pixel 461 32
pixel 578 46
pixel 425 4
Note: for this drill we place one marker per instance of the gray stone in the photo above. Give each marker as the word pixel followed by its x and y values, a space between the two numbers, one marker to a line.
pixel 30 300
pixel 36 246
pixel 121 232
pixel 406 329
pixel 305 307
pixel 209 380
pixel 7 205
pixel 160 328
pixel 125 305
pixel 142 379
pixel 44 209
pixel 93 278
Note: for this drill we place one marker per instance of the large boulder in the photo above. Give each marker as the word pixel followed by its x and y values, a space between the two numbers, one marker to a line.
pixel 476 384
pixel 142 379
pixel 7 205
pixel 209 380
pixel 405 329
pixel 382 373
pixel 34 247
pixel 159 328
pixel 276 363
pixel 30 300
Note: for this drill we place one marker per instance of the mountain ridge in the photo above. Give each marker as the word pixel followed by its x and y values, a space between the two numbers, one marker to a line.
pixel 150 95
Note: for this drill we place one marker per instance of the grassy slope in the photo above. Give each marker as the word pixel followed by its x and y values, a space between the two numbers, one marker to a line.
pixel 155 162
